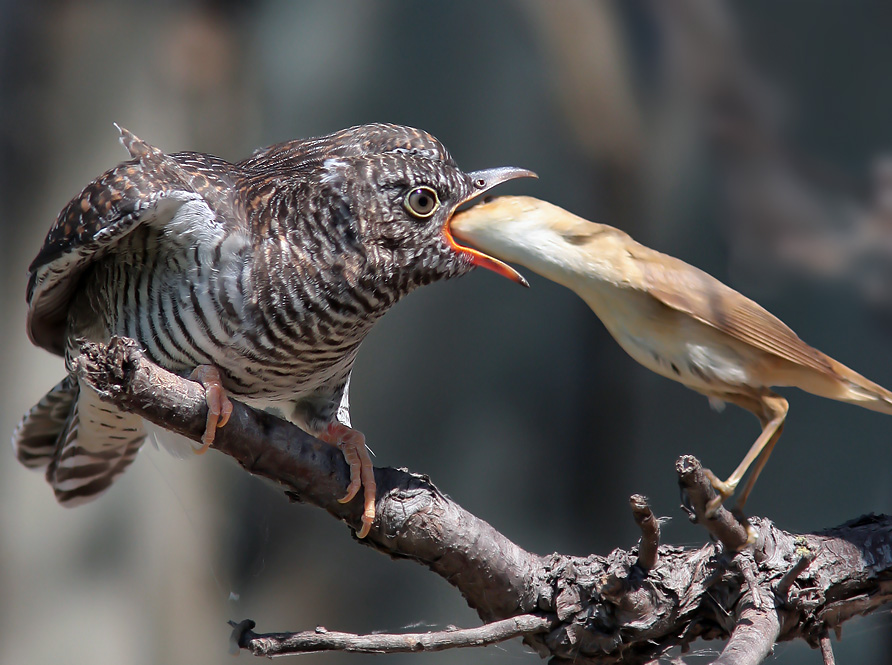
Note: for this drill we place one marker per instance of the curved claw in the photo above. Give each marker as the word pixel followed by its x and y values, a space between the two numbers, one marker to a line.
pixel 362 474
pixel 219 406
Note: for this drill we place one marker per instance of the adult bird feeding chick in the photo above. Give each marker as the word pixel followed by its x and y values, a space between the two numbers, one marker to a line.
pixel 671 317
pixel 260 279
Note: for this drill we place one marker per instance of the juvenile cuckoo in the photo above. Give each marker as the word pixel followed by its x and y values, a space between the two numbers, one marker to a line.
pixel 260 279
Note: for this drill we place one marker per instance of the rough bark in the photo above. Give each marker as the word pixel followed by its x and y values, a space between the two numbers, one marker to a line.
pixel 631 606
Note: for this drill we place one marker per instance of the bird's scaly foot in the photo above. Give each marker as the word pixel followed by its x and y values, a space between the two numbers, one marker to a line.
pixel 352 443
pixel 724 489
pixel 219 406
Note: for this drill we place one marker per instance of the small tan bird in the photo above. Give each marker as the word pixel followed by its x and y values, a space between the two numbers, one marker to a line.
pixel 671 317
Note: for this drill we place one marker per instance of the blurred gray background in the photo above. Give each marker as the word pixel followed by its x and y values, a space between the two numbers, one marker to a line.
pixel 752 139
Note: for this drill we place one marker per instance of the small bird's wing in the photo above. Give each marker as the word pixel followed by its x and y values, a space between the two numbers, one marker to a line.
pixel 148 189
pixel 701 296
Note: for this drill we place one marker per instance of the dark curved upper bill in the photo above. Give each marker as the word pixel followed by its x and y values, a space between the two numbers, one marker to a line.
pixel 484 181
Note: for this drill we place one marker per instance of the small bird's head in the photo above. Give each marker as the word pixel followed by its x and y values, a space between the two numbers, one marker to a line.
pixel 516 228
pixel 394 190
pixel 538 235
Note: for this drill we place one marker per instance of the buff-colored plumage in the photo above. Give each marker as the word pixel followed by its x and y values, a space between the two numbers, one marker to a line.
pixel 670 316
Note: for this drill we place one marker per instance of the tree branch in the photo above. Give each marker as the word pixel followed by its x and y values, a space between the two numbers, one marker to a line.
pixel 594 609
pixel 755 632
pixel 827 650
pixel 321 639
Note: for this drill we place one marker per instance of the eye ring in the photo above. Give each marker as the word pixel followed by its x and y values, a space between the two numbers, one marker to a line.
pixel 421 202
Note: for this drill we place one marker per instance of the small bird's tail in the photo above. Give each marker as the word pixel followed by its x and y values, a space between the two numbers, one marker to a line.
pixel 82 443
pixel 848 386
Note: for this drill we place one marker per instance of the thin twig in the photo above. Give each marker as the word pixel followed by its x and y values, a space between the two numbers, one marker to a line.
pixel 748 571
pixel 786 582
pixel 827 650
pixel 283 644
pixel 648 550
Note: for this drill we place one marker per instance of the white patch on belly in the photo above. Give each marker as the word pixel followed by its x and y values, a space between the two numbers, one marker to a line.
pixel 722 364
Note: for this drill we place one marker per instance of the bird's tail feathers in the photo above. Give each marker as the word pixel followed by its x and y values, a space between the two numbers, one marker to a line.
pixel 851 387
pixel 83 444
pixel 34 439
pixel 876 398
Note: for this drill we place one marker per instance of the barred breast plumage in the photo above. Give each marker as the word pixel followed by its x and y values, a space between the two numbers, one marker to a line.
pixel 271 270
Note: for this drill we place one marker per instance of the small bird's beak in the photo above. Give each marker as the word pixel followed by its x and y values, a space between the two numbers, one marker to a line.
pixel 483 182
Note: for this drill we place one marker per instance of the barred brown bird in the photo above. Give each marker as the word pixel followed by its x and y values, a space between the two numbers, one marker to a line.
pixel 259 278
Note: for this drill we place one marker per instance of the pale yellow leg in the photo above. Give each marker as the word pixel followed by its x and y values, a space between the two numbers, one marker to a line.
pixel 771 410
pixel 362 474
pixel 219 406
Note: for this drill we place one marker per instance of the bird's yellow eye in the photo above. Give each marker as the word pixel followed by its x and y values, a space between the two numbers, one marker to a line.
pixel 421 202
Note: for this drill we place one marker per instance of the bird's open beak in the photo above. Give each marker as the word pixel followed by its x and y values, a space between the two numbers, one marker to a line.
pixel 483 182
